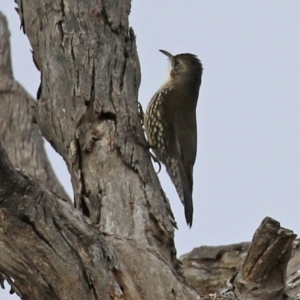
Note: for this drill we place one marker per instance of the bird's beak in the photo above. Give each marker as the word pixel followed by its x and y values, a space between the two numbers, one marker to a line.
pixel 168 54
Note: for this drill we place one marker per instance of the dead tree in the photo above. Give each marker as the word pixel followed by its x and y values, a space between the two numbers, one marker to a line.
pixel 118 240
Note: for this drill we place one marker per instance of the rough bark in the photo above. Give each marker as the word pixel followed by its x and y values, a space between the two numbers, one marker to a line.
pixel 257 270
pixel 87 110
pixel 208 268
pixel 263 274
pixel 293 273
pixel 44 240
pixel 118 241
pixel 18 134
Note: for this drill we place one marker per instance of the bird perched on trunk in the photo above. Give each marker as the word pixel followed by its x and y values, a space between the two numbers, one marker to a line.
pixel 171 127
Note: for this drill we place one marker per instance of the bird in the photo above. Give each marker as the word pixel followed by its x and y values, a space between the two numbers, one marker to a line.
pixel 171 126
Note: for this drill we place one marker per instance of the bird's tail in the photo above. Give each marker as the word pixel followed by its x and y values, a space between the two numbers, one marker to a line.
pixel 188 201
pixel 179 179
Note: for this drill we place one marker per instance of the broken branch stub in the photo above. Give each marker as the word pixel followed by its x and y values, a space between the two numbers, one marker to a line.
pixel 263 275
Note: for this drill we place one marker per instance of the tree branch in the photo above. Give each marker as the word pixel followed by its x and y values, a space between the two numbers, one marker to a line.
pixel 46 245
pixel 49 250
pixel 88 112
pixel 263 275
pixel 18 134
pixel 254 270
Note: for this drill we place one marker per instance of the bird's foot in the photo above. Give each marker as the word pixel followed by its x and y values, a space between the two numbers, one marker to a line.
pixel 155 159
pixel 147 146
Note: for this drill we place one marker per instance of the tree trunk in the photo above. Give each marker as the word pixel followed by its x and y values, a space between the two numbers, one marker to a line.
pixel 117 242
pixel 87 110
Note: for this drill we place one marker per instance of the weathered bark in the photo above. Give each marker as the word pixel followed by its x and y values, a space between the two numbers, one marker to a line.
pixel 293 273
pixel 254 270
pixel 118 241
pixel 44 240
pixel 88 111
pixel 208 268
pixel 263 274
pixel 19 136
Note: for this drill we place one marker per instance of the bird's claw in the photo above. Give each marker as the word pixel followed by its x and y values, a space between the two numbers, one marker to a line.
pixel 155 159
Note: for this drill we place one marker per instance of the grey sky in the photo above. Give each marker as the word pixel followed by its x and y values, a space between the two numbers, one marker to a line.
pixel 248 161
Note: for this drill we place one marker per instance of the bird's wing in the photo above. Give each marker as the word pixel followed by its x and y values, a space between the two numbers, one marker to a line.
pixel 180 123
pixel 180 120
pixel 186 136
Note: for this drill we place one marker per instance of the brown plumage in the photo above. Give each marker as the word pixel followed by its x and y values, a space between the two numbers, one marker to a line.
pixel 170 124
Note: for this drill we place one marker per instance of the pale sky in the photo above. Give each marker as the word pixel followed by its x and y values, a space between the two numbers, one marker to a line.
pixel 248 160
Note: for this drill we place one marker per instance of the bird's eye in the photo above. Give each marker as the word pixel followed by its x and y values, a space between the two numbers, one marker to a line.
pixel 176 62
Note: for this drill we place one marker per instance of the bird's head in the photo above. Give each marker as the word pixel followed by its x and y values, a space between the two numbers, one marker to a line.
pixel 184 66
